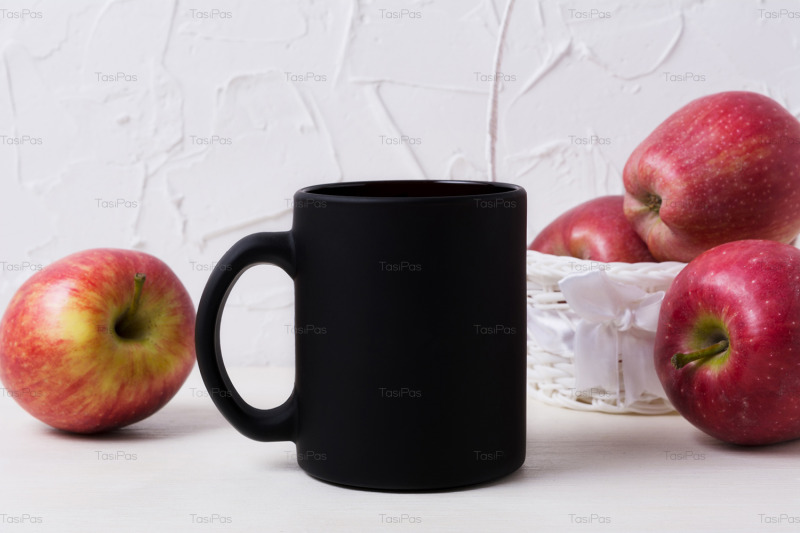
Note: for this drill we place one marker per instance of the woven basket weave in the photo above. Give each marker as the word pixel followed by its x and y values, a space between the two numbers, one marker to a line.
pixel 551 376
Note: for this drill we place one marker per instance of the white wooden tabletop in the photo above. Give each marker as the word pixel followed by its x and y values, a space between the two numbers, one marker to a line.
pixel 186 469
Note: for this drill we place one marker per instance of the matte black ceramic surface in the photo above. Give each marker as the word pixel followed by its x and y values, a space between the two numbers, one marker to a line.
pixel 410 333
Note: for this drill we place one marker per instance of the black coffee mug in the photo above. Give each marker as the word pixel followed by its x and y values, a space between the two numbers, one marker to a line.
pixel 410 333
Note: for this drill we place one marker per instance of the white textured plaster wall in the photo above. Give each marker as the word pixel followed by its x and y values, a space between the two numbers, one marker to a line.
pixel 198 120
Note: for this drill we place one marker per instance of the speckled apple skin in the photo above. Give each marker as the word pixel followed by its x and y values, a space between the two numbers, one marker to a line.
pixel 726 167
pixel 596 230
pixel 61 359
pixel 752 396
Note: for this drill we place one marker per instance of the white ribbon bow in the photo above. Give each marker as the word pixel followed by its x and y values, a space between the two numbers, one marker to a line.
pixel 618 322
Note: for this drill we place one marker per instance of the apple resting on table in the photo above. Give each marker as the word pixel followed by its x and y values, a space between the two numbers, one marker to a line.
pixel 727 347
pixel 723 168
pixel 596 230
pixel 97 340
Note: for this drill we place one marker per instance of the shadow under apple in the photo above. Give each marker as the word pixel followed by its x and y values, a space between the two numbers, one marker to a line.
pixel 170 422
pixel 789 448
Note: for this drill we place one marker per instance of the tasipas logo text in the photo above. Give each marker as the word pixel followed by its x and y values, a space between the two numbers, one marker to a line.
pixel 782 518
pixel 115 77
pixel 686 76
pixel 590 14
pixel 20 140
pixel 402 266
pixel 203 393
pixel 305 76
pixel 118 455
pixel 210 14
pixel 403 392
pixel 687 455
pixel 400 14
pixel 302 204
pixel 208 267
pixel 20 14
pixel 308 329
pixel 783 139
pixel 308 455
pixel 215 518
pixel 779 14
pixel 497 203
pixel 591 393
pixel 19 393
pixel 403 139
pixel 497 76
pixel 591 140
pixel 482 455
pixel 119 202
pixel 24 518
pixel 399 519
pixel 497 329
pixel 211 141
pixel 25 266
pixel 593 518
pixel 590 266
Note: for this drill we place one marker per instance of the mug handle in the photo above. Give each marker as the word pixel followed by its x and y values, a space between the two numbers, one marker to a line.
pixel 276 424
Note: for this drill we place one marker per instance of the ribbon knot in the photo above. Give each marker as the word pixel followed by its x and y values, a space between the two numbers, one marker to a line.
pixel 625 322
pixel 617 324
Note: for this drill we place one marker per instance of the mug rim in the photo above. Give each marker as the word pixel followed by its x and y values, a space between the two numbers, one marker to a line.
pixel 493 188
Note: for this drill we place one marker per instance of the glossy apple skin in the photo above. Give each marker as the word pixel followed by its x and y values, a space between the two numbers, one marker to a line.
pixel 726 167
pixel 596 230
pixel 750 292
pixel 61 358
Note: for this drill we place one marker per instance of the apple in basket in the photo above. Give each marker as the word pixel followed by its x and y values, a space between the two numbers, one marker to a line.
pixel 97 340
pixel 725 167
pixel 727 348
pixel 596 230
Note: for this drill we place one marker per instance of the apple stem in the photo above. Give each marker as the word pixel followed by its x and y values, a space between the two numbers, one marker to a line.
pixel 138 283
pixel 679 360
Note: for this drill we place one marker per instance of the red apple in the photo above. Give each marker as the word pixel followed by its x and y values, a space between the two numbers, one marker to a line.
pixel 723 168
pixel 596 230
pixel 97 340
pixel 727 347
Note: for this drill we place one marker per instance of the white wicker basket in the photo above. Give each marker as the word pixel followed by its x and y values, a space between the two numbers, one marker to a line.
pixel 551 375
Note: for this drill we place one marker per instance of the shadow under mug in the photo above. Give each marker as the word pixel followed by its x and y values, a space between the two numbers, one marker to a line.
pixel 410 333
